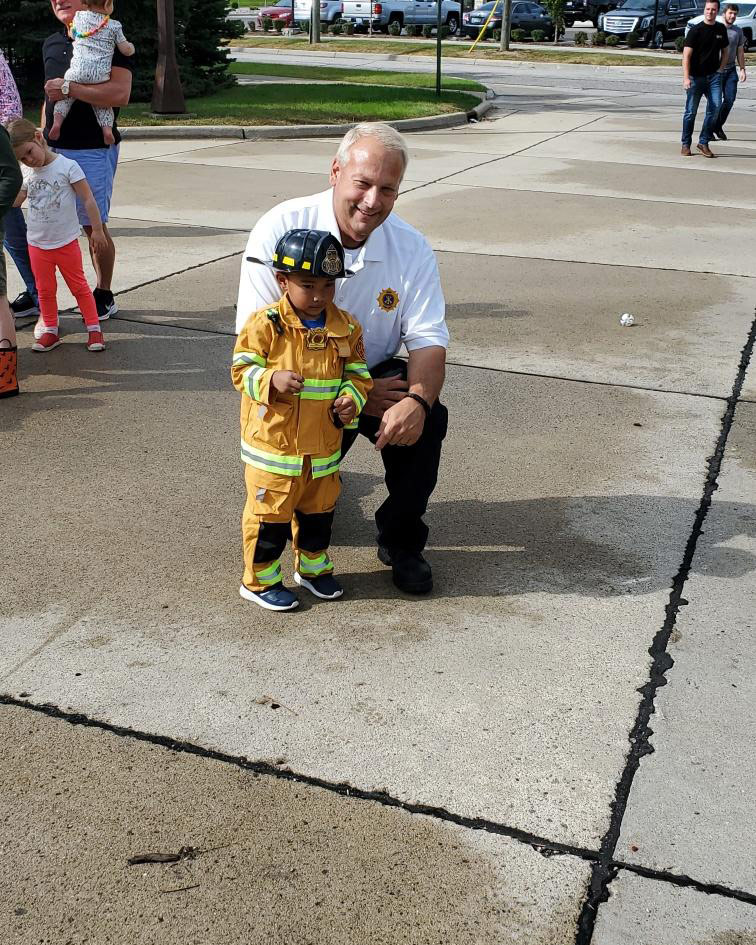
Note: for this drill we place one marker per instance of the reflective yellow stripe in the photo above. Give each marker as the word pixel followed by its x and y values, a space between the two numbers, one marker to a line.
pixel 270 574
pixel 349 390
pixel 288 261
pixel 325 465
pixel 315 566
pixel 271 462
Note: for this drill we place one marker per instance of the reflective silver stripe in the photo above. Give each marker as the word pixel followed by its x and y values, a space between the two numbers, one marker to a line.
pixel 272 462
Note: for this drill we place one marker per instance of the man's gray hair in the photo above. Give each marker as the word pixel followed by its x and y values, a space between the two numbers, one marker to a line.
pixel 388 136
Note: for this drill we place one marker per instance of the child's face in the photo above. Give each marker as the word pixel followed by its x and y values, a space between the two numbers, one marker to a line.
pixel 308 294
pixel 32 153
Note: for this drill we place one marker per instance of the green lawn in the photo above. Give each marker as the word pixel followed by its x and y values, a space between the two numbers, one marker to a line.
pixel 304 104
pixel 569 55
pixel 417 80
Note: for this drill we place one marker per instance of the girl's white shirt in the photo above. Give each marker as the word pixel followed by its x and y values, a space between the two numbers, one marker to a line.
pixel 52 220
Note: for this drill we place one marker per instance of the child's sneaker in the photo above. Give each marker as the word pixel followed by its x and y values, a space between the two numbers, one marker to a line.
pixel 325 585
pixel 276 597
pixel 47 341
pixel 95 341
pixel 40 328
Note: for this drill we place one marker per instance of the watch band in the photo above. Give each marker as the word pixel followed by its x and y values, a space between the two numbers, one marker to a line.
pixel 65 87
pixel 422 401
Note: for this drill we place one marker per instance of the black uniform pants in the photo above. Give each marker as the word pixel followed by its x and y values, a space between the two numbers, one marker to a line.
pixel 411 471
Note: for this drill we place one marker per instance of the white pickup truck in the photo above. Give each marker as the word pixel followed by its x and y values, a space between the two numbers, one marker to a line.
pixel 404 12
pixel 330 10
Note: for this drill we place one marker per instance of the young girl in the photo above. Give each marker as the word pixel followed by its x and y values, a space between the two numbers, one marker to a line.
pixel 95 37
pixel 52 184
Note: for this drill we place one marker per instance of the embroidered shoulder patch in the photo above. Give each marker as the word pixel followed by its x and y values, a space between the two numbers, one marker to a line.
pixel 388 299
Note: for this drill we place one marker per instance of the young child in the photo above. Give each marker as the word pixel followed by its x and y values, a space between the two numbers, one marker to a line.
pixel 300 367
pixel 95 38
pixel 52 184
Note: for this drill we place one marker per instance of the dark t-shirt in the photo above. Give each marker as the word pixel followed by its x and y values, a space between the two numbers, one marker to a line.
pixel 80 130
pixel 706 42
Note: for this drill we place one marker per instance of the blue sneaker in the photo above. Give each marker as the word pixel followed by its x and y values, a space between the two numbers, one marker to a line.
pixel 325 586
pixel 276 597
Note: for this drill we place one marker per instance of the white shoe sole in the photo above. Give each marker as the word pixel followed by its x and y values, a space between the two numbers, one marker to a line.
pixel 303 582
pixel 97 347
pixel 251 595
pixel 40 350
pixel 112 309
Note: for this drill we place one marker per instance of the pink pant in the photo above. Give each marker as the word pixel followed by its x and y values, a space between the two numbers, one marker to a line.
pixel 67 258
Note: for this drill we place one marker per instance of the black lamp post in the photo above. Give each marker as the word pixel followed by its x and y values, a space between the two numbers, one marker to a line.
pixel 167 95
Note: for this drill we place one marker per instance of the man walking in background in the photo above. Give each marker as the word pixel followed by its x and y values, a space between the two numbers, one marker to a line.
pixel 734 68
pixel 704 55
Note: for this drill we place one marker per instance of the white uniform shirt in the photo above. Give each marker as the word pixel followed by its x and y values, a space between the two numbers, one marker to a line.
pixel 396 292
pixel 52 220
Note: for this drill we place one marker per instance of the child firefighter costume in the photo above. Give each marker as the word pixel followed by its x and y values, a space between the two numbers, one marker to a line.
pixel 291 442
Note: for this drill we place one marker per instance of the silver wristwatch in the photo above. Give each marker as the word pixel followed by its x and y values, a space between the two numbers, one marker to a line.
pixel 65 87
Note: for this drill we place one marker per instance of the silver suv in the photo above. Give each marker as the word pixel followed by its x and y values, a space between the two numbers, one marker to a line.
pixel 403 12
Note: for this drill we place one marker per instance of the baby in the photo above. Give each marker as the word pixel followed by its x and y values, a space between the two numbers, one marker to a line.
pixel 95 37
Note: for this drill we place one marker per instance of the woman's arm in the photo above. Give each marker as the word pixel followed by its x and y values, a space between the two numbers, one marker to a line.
pixel 10 100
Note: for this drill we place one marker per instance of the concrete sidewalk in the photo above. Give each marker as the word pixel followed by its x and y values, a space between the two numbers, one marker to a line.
pixel 498 762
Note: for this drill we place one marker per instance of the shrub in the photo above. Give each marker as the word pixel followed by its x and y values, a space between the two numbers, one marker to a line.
pixel 323 28
pixel 234 5
pixel 612 40
pixel 517 35
pixel 680 43
pixel 444 31
pixel 395 28
pixel 496 36
pixel 598 38
pixel 428 30
pixel 251 26
pixel 278 25
pixel 633 39
pixel 267 23
pixel 304 25
pixel 581 38
pixel 348 28
pixel 538 36
pixel 337 28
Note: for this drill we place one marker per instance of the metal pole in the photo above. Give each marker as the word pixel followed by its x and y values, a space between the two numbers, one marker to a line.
pixel 506 25
pixel 438 48
pixel 653 25
pixel 167 95
pixel 315 22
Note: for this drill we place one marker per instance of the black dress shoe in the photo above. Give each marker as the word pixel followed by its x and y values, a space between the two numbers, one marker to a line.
pixel 719 133
pixel 411 572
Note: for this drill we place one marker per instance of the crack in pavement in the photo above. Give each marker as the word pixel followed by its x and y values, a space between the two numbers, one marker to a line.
pixel 604 871
pixel 542 845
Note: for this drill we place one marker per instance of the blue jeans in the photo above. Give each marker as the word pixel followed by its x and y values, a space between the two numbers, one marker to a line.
pixel 711 87
pixel 729 93
pixel 15 243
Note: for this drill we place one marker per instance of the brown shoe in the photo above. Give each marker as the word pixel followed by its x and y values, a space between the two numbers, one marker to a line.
pixel 685 151
pixel 706 150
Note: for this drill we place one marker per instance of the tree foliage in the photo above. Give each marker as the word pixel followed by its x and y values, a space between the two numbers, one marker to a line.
pixel 556 12
pixel 202 31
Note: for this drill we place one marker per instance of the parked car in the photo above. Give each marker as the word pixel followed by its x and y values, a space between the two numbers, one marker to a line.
pixel 637 16
pixel 278 11
pixel 330 10
pixel 575 10
pixel 403 12
pixel 525 16
pixel 746 20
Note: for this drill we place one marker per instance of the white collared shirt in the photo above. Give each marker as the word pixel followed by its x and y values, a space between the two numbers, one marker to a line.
pixel 395 295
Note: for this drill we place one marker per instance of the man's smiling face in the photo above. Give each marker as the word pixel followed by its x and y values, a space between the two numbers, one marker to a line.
pixel 365 189
pixel 65 10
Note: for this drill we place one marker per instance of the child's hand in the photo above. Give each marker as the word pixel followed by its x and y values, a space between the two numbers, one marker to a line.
pixel 345 409
pixel 99 242
pixel 287 382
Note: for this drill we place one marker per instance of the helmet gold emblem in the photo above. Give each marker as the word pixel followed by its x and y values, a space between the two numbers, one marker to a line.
pixel 331 264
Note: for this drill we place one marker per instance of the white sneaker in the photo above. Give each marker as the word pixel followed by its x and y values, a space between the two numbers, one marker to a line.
pixel 39 329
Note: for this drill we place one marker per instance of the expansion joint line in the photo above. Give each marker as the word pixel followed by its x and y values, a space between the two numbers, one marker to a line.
pixel 604 868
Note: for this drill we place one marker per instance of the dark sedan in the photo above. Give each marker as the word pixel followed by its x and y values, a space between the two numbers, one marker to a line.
pixel 525 16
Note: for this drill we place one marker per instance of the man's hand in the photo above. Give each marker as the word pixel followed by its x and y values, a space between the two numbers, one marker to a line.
pixel 345 409
pixel 287 382
pixel 686 83
pixel 98 240
pixel 742 75
pixel 52 90
pixel 401 425
pixel 386 393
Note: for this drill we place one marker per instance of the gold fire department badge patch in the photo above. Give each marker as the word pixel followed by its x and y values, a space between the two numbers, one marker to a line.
pixel 316 339
pixel 388 299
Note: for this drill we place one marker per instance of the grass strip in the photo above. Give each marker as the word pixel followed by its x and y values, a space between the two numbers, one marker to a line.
pixel 460 51
pixel 301 104
pixel 417 80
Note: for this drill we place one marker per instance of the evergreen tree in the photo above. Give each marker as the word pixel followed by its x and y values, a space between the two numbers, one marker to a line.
pixel 202 32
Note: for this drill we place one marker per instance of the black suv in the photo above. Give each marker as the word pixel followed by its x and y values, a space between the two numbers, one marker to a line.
pixel 637 16
pixel 586 10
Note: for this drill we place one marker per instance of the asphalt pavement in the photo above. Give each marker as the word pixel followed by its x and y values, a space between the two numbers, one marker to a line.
pixel 556 746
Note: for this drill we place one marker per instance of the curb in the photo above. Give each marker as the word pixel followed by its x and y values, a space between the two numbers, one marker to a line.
pixel 261 132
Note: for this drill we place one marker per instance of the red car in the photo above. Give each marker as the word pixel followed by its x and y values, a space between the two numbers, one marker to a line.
pixel 283 10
